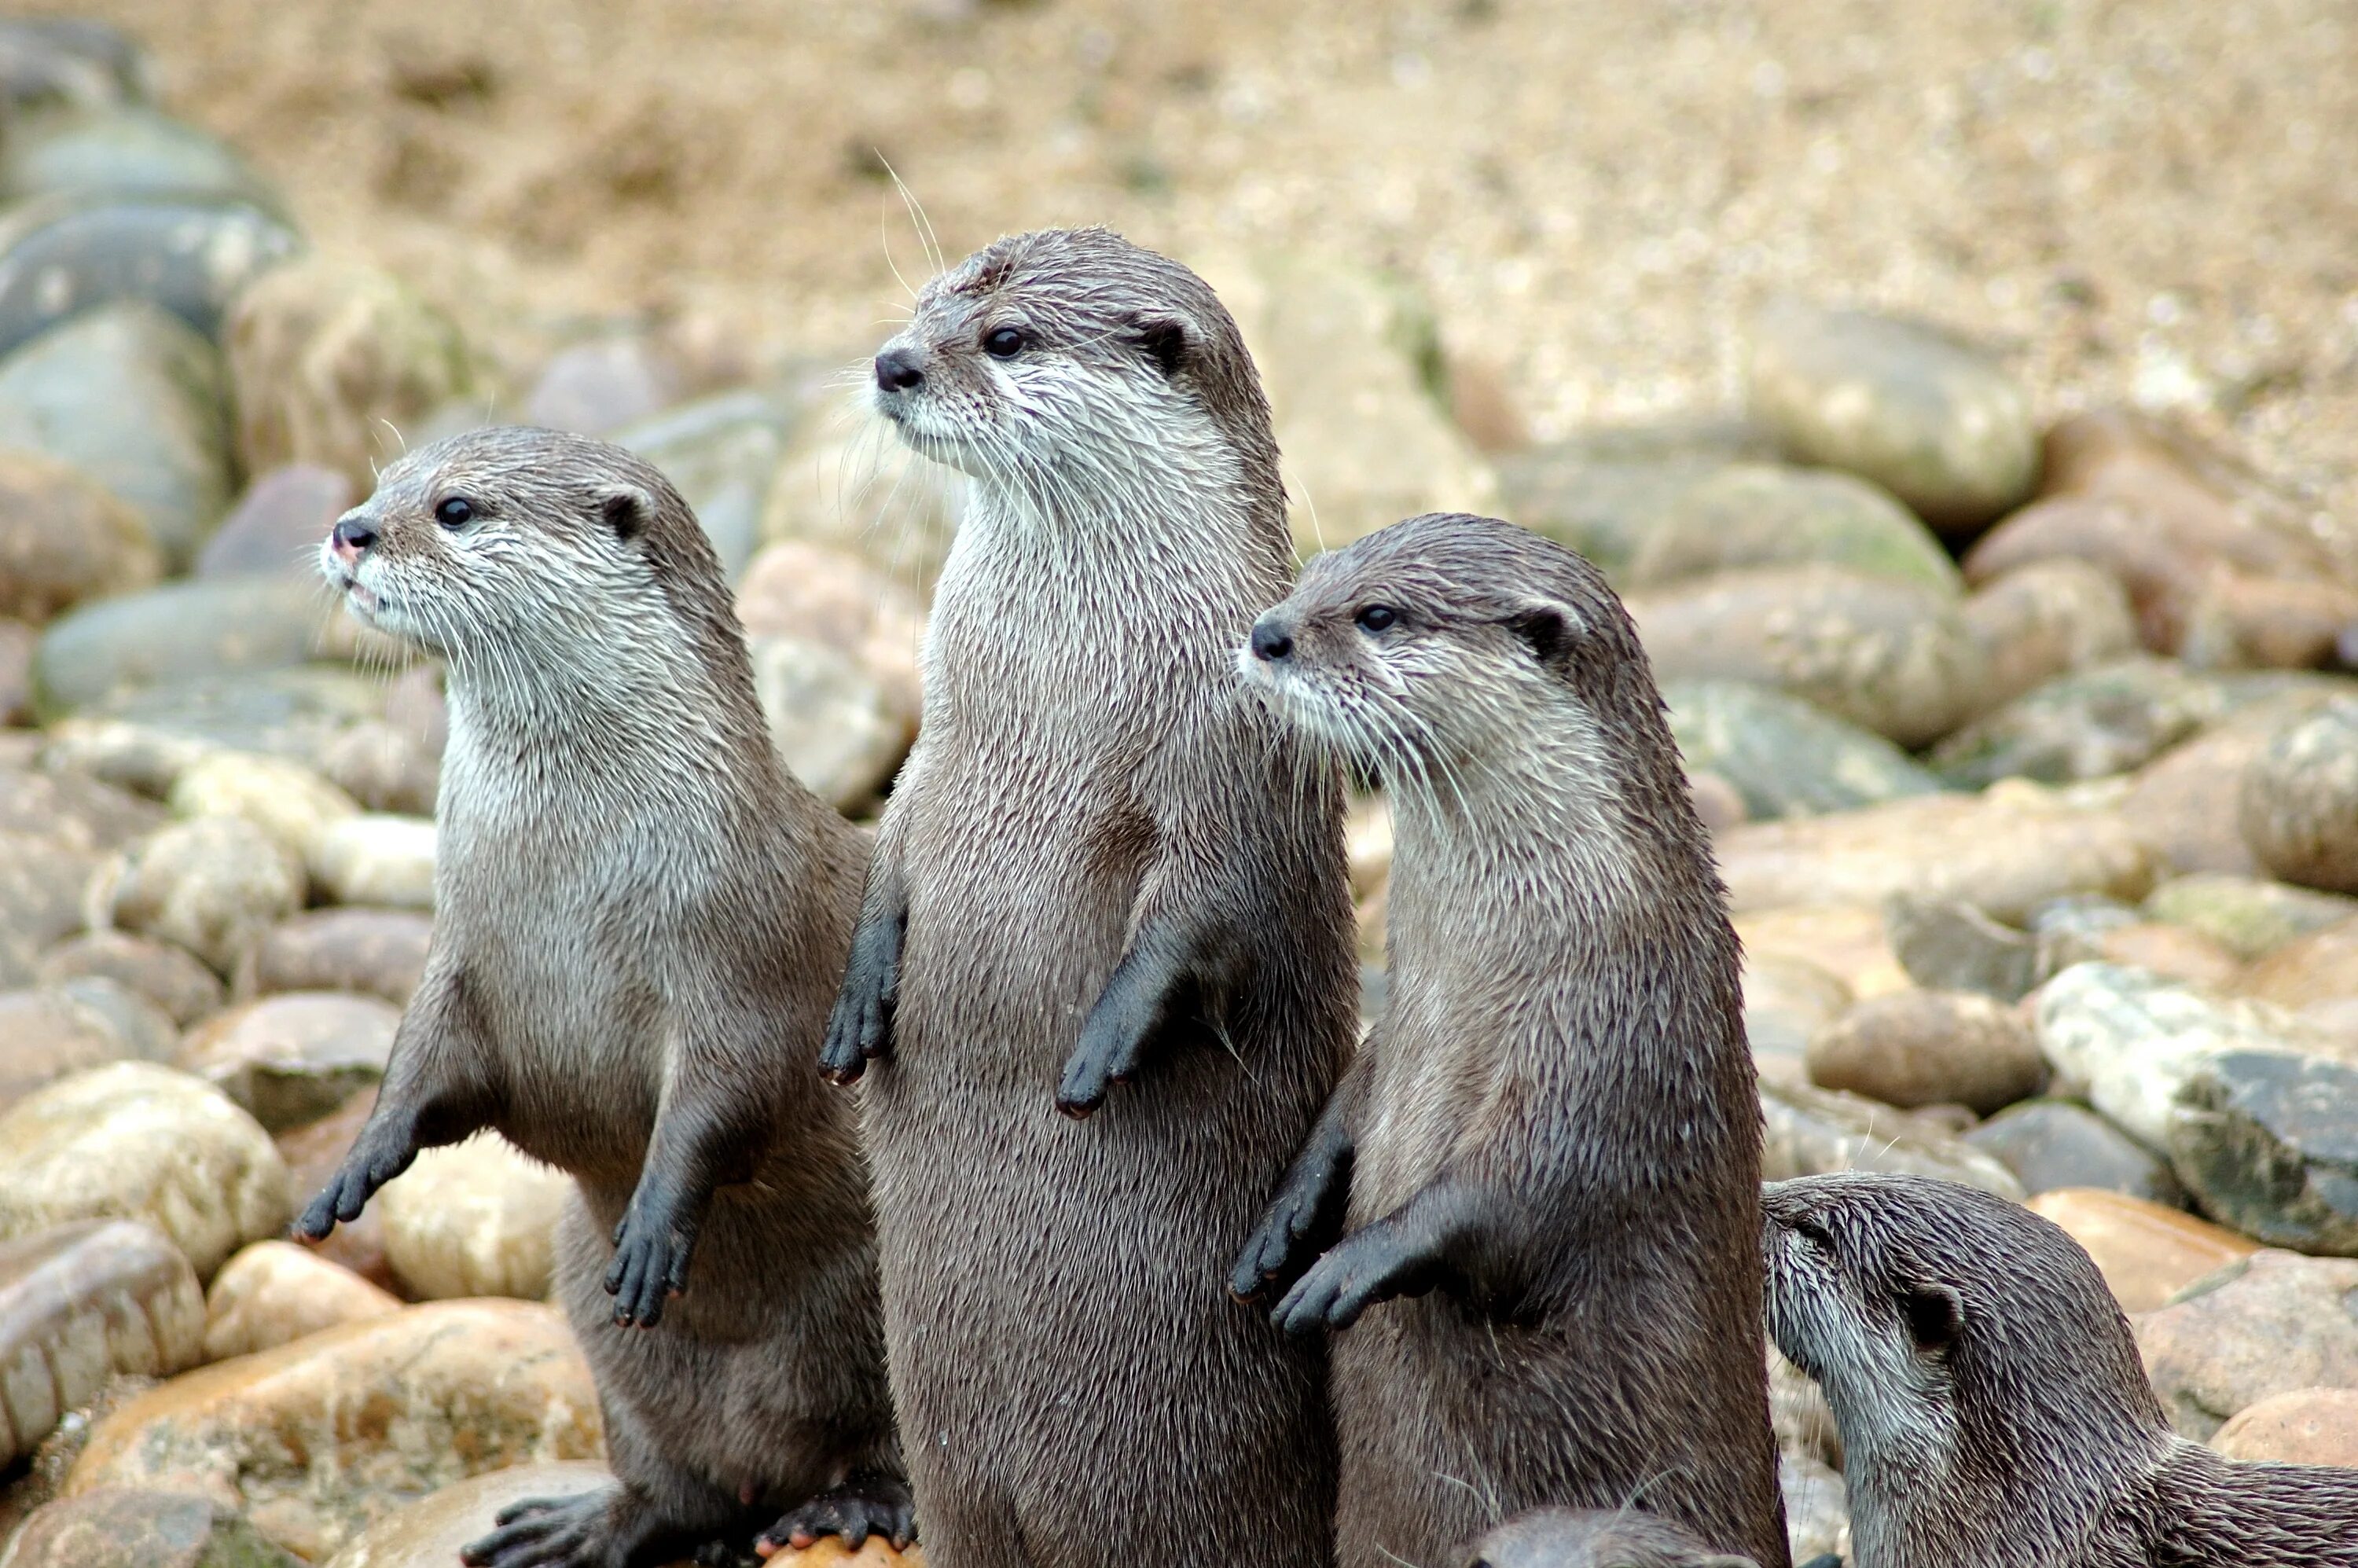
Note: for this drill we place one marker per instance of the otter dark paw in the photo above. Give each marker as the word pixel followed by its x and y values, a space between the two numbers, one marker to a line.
pixel 1129 1012
pixel 859 1028
pixel 371 1164
pixel 1303 1221
pixel 650 1264
pixel 546 1532
pixel 1376 1264
pixel 866 1505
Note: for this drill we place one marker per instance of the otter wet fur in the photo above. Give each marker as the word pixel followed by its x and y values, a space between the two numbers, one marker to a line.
pixel 640 921
pixel 1103 978
pixel 1595 1538
pixel 1994 1409
pixel 1536 1194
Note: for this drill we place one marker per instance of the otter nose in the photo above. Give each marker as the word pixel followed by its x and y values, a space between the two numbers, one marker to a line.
pixel 1269 642
pixel 897 370
pixel 352 536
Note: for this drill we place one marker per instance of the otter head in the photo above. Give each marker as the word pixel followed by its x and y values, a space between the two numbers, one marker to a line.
pixel 1591 1537
pixel 520 554
pixel 1066 360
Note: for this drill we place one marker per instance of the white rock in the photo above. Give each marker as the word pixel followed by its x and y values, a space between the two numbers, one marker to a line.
pixel 376 857
pixel 287 800
pixel 476 1218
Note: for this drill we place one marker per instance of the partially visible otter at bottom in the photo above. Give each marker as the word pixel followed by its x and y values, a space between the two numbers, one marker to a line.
pixel 640 920
pixel 1994 1410
pixel 1548 1152
pixel 1594 1538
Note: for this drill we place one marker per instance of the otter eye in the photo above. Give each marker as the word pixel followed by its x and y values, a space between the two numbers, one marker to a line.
pixel 1376 617
pixel 455 513
pixel 1004 344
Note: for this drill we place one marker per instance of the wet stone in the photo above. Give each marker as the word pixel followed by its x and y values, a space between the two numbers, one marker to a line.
pixel 278 525
pixel 169 977
pixel 2086 725
pixel 373 952
pixel 293 1058
pixel 434 1528
pixel 127 1528
pixel 1784 757
pixel 2267 1142
pixel 55 1031
pixel 2274 1324
pixel 2298 808
pixel 81 1303
pixel 2053 1145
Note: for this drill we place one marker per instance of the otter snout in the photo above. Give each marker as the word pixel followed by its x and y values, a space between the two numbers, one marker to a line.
pixel 897 370
pixel 1271 641
pixel 352 538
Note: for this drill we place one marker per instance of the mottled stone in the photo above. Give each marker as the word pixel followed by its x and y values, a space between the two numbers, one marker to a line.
pixel 476 1219
pixel 2171 950
pixel 2298 808
pixel 278 525
pixel 449 1390
pixel 274 1293
pixel 2308 1426
pixel 2086 725
pixel 122 150
pixel 1760 515
pixel 190 255
pixel 168 636
pixel 287 800
pixel 2249 916
pixel 375 952
pixel 2186 803
pixel 1811 1131
pixel 2053 1144
pixel 2145 1253
pixel 143 739
pixel 73 808
pixel 1783 756
pixel 1845 940
pixel 2271 1324
pixel 378 859
pixel 293 1058
pixel 2047 619
pixel 169 977
pixel 64 538
pixel 1786 1001
pixel 55 1031
pixel 1948 945
pixel 433 1528
pixel 1915 1048
pixel 840 730
pixel 214 885
pixel 1602 502
pixel 2267 1141
pixel 383 767
pixel 834 597
pixel 81 1303
pixel 122 1527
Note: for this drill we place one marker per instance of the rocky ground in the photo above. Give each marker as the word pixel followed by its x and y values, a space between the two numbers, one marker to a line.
pixel 2023 717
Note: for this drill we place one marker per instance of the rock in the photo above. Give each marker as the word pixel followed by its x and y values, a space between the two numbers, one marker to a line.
pixel 433 1528
pixel 274 1293
pixel 132 396
pixel 1761 514
pixel 2005 852
pixel 723 454
pixel 1891 656
pixel 17 641
pixel 2249 916
pixel 1915 1048
pixel 384 768
pixel 1787 1001
pixel 41 885
pixel 2272 1325
pixel 846 483
pixel 214 885
pixel 2046 618
pixel 65 538
pixel 2081 726
pixel 176 633
pixel 169 977
pixel 293 1058
pixel 1947 944
pixel 374 952
pixel 835 724
pixel 123 1528
pixel 188 255
pixel 122 150
pixel 1845 940
pixel 144 737
pixel 2299 808
pixel 1933 421
pixel 73 808
pixel 2315 977
pixel 2267 1142
pixel 287 800
pixel 835 598
pixel 315 1152
pixel 278 527
pixel 450 1390
pixel 2308 1426
pixel 2053 1144
pixel 598 388
pixel 68 59
pixel 331 360
pixel 1784 757
pixel 1811 1131
pixel 377 858
pixel 1817 1508
pixel 79 1303
pixel 59 1030
pixel 2186 802
pixel 476 1218
pixel 2145 1253
pixel 1718 805
pixel 1604 506
pixel 2243 623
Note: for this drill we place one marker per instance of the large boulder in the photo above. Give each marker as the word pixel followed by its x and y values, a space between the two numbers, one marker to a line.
pixel 122 1527
pixel 2270 1325
pixel 81 1303
pixel 476 1218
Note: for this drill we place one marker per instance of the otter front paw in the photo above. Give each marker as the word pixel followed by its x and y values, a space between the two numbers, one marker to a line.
pixel 1376 1264
pixel 543 1530
pixel 868 1503
pixel 860 1029
pixel 650 1264
pixel 1302 1220
pixel 1129 1013
pixel 375 1161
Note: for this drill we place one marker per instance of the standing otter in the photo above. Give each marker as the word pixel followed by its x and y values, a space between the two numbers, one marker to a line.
pixel 1555 1124
pixel 1099 864
pixel 1591 1537
pixel 1993 1407
pixel 640 916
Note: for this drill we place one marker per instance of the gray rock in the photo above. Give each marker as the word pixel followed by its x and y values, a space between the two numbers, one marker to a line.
pixel 2047 619
pixel 278 525
pixel 2249 916
pixel 214 885
pixel 1947 944
pixel 123 1527
pixel 2298 806
pixel 1817 1508
pixel 1918 1048
pixel 129 150
pixel 64 538
pixel 74 808
pixel 2053 1144
pixel 178 633
pixel 81 1303
pixel 723 454
pixel 51 60
pixel 598 388
pixel 2086 725
pixel 2073 930
pixel 1933 421
pixel 1811 1131
pixel 58 1030
pixel 373 951
pixel 837 725
pixel 2268 1325
pixel 169 977
pixel 293 1058
pixel 2267 1142
pixel 1761 514
pixel 63 254
pixel 145 738
pixel 1602 505
pixel 131 395
pixel 42 884
pixel 1784 757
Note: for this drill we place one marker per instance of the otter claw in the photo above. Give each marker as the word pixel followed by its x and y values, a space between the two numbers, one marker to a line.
pixel 866 1505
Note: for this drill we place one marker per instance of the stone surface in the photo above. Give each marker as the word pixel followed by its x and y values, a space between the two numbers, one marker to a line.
pixel 278 525
pixel 1949 945
pixel 313 1154
pixel 65 538
pixel 375 952
pixel 181 631
pixel 476 1219
pixel 433 1528
pixel 1892 656
pixel 837 726
pixel 1914 1048
pixel 122 1527
pixel 1817 1508
pixel 187 254
pixel 2306 1426
pixel 2186 803
pixel 833 598
pixel 2249 916
pixel 2085 725
pixel 66 60
pixel 1787 1001
pixel 1811 1131
pixel 287 800
pixel 274 1293
pixel 1845 940
pixel 54 1031
pixel 17 643
pixel 130 395
pixel 167 975
pixel 384 767
pixel 81 1303
pixel 145 738
pixel 2005 852
pixel 2315 977
pixel 134 1141
pixel 2145 1253
pixel 722 453
pixel 2272 1325
pixel 293 1058
pixel 2053 1145
pixel 2047 619
pixel 2267 1141
pixel 2298 808
pixel 214 885
pixel 1783 756
pixel 377 857
pixel 450 1390
pixel 73 808
pixel 42 884
pixel 598 388
pixel 122 150
pixel 1761 514
pixel 1932 420
pixel 330 361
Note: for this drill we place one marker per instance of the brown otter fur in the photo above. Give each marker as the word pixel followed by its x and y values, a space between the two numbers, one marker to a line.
pixel 1993 1407
pixel 1099 863
pixel 640 919
pixel 1552 1139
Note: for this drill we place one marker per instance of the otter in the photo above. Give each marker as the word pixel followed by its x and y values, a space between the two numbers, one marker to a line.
pixel 1539 1180
pixel 1099 867
pixel 640 918
pixel 1593 1537
pixel 1994 1410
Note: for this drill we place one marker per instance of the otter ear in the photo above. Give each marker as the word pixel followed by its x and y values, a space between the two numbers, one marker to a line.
pixel 1548 625
pixel 1935 1315
pixel 1165 339
pixel 625 508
